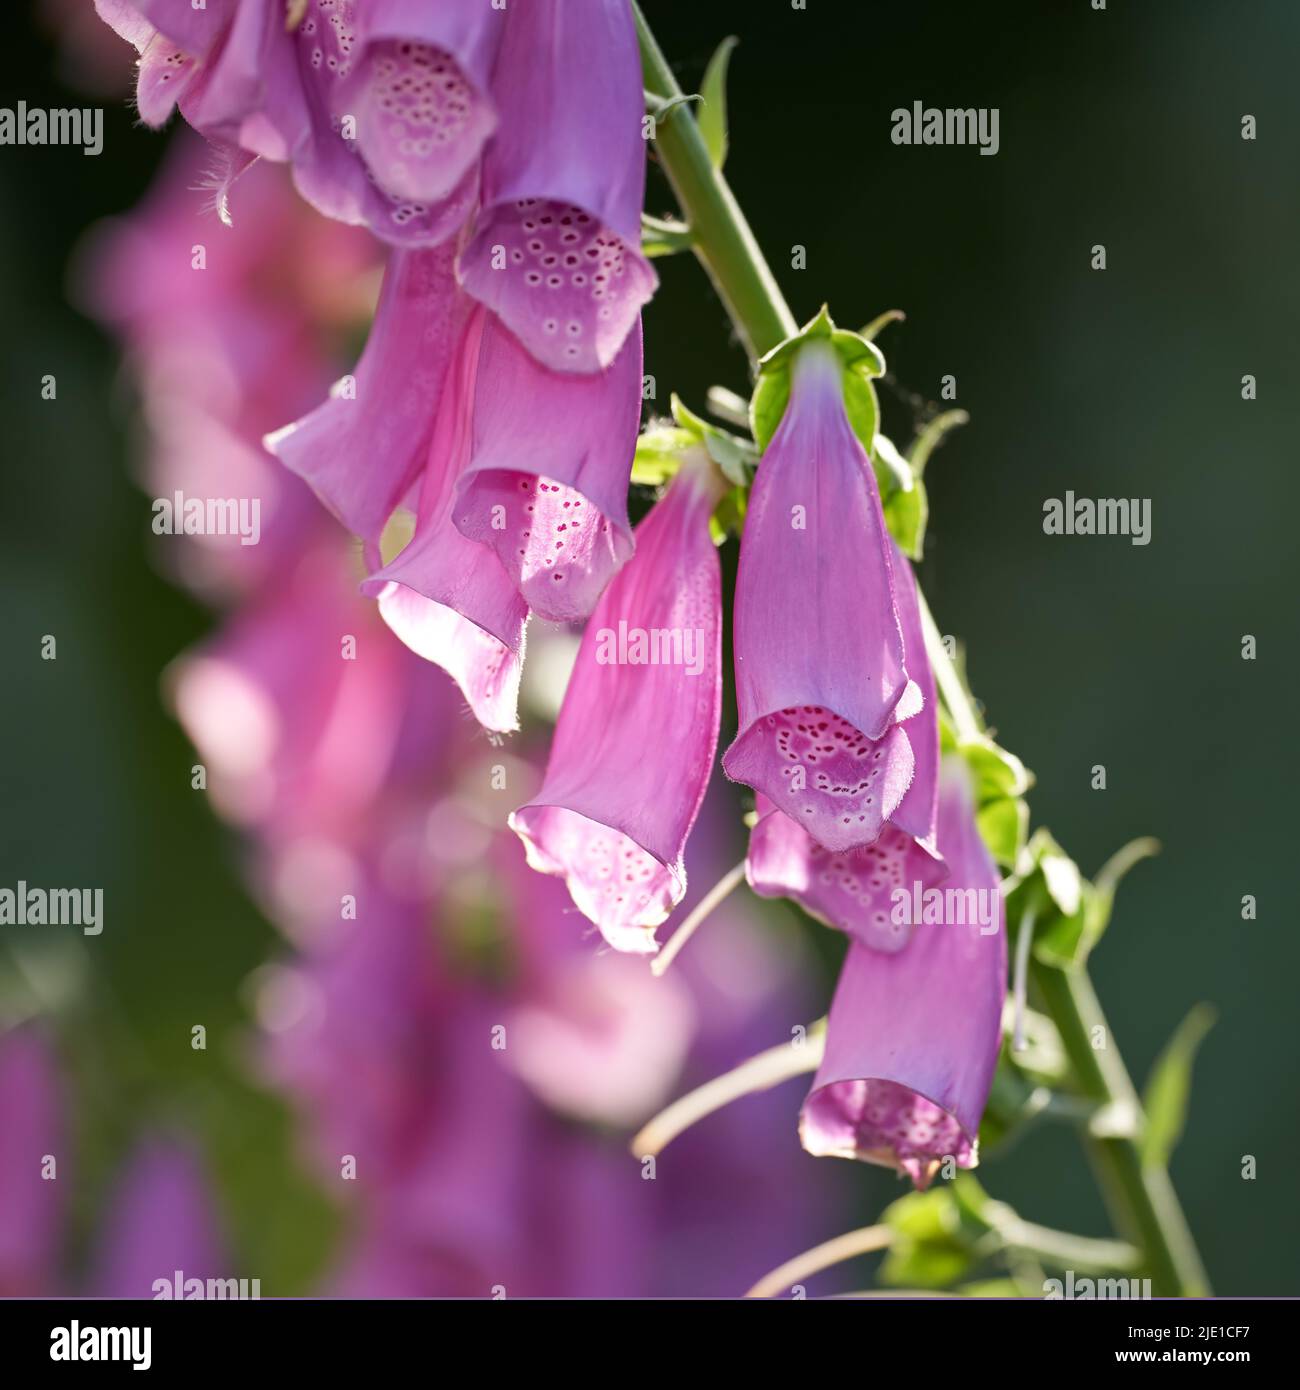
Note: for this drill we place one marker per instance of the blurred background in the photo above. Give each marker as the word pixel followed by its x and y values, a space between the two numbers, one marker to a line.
pixel 1120 127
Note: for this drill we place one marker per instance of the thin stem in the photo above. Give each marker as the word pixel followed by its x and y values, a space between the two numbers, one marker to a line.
pixel 759 1073
pixel 721 236
pixel 820 1257
pixel 725 885
pixel 1024 939
pixel 1142 1199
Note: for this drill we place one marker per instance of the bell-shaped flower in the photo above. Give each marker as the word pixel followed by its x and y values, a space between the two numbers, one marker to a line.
pixel 400 430
pixel 913 1035
pixel 546 485
pixel 637 732
pixel 847 888
pixel 822 684
pixel 382 108
pixel 556 250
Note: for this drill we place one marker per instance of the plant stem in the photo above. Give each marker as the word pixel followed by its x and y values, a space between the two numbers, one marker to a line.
pixel 1141 1198
pixel 721 237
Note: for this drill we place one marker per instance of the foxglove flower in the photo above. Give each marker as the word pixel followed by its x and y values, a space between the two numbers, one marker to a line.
pixel 401 428
pixel 848 888
pixel 546 485
pixel 381 108
pixel 556 250
pixel 821 681
pixel 638 729
pixel 913 1035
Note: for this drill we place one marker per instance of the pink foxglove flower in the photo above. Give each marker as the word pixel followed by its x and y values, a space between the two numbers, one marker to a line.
pixel 636 736
pixel 913 1035
pixel 556 250
pixel 398 431
pixel 822 684
pixel 381 108
pixel 546 485
pixel 848 888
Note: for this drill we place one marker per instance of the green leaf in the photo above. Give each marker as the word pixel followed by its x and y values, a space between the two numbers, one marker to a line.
pixel 713 114
pixel 860 360
pixel 1169 1085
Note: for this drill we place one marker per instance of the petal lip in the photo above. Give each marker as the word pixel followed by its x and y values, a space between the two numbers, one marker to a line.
pixel 547 481
pixel 555 840
pixel 562 194
pixel 486 669
pixel 834 1123
pixel 843 804
pixel 853 891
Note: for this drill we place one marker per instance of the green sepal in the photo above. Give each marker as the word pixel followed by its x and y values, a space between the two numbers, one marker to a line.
pixel 1000 782
pixel 861 361
pixel 728 517
pixel 907 508
pixel 658 454
pixel 734 456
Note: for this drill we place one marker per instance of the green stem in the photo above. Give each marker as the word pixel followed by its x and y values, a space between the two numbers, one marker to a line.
pixel 1141 1199
pixel 721 236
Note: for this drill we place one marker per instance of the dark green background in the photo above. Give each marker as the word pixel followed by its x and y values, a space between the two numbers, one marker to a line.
pixel 1120 127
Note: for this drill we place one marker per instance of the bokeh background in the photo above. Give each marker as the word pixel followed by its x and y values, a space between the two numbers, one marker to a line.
pixel 1120 127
